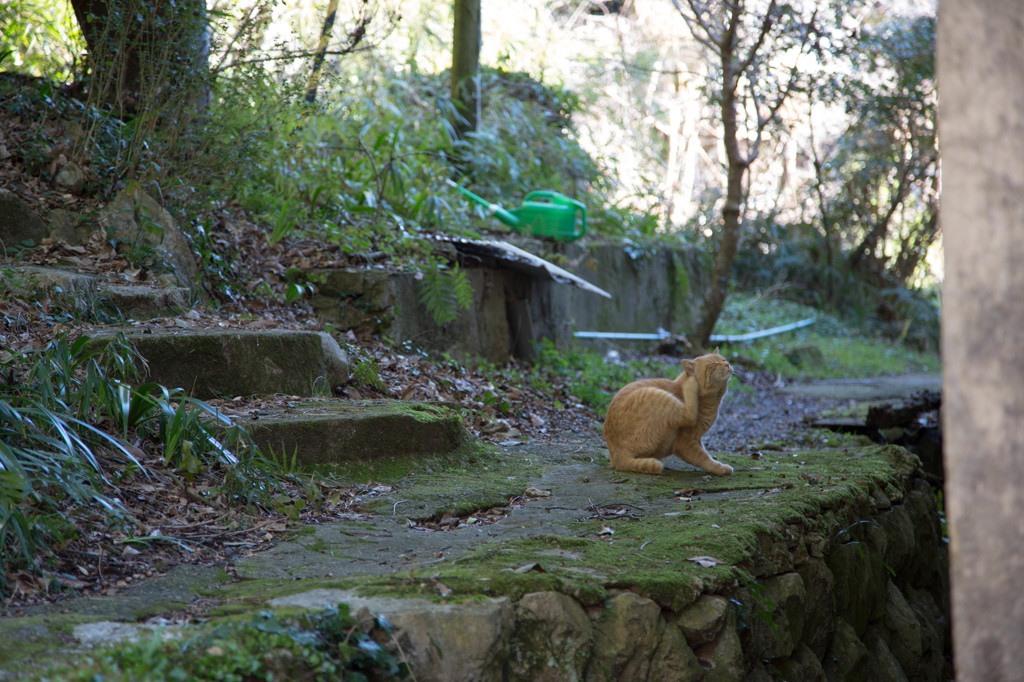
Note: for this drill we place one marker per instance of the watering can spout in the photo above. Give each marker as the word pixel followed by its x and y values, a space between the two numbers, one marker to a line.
pixel 495 209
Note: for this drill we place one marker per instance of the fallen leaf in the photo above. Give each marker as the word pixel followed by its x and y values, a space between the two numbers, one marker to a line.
pixel 69 582
pixel 537 492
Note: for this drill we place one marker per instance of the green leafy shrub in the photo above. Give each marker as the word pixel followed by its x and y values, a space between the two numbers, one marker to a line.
pixel 329 644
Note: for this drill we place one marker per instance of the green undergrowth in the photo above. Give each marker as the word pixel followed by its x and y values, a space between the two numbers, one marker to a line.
pixel 848 351
pixel 328 644
pixel 76 425
pixel 591 378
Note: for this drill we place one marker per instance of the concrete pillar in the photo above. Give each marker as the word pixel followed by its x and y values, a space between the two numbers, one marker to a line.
pixel 981 128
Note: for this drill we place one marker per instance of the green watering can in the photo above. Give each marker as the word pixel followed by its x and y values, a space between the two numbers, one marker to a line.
pixel 543 214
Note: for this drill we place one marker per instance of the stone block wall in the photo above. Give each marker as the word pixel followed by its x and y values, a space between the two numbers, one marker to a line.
pixel 864 600
pixel 513 310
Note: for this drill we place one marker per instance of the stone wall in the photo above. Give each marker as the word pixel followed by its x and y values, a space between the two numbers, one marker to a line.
pixel 866 600
pixel 512 310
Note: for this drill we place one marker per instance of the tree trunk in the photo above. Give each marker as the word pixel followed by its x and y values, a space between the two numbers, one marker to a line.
pixel 466 66
pixel 732 211
pixel 144 52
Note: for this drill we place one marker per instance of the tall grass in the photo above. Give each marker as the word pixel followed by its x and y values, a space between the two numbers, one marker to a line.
pixel 72 426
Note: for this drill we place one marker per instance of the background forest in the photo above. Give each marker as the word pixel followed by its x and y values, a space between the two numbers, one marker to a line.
pixel 795 143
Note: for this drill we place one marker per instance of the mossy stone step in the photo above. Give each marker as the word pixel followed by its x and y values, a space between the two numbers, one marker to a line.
pixel 345 431
pixel 69 289
pixel 215 363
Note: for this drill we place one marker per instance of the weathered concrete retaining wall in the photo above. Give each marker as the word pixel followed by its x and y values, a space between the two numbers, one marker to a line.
pixel 512 310
pixel 866 602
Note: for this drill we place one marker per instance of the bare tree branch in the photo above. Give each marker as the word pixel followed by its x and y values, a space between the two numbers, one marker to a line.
pixel 766 27
pixel 706 36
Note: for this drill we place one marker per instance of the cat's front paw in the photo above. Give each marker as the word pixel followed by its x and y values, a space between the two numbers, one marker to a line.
pixel 720 469
pixel 691 389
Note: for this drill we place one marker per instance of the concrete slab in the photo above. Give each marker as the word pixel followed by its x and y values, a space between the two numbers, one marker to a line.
pixel 875 388
pixel 337 431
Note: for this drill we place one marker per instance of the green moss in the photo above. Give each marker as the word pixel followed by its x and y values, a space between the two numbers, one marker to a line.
pixel 740 523
pixel 726 519
pixel 474 478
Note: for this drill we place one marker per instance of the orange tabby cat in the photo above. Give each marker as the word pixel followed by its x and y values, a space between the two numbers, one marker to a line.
pixel 651 419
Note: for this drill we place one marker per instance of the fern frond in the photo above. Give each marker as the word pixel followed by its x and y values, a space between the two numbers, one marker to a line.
pixel 446 292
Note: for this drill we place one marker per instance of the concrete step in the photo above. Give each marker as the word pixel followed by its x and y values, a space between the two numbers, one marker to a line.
pixel 340 431
pixel 215 363
pixel 78 291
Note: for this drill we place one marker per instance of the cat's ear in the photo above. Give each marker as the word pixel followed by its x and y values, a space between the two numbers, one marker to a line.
pixel 688 366
pixel 716 351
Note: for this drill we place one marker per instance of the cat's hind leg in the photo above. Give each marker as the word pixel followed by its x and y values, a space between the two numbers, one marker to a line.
pixel 692 452
pixel 624 461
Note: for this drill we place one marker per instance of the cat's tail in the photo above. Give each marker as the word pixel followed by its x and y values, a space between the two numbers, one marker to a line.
pixel 641 465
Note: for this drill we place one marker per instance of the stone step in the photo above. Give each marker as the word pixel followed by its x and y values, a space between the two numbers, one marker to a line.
pixel 81 291
pixel 215 363
pixel 340 431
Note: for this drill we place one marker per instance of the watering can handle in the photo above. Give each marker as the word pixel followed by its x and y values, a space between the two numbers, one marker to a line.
pixel 548 194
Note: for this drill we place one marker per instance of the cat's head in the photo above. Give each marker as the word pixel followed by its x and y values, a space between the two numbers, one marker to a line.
pixel 712 370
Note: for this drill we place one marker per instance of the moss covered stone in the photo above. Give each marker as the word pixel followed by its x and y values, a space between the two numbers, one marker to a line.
pixel 228 363
pixel 351 431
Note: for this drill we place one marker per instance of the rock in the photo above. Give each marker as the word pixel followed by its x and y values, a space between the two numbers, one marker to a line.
pixel 142 302
pixel 928 539
pixel 108 631
pixel 701 622
pixel 467 641
pixel 443 642
pixel 104 631
pixel 802 666
pixel 847 656
pixel 340 431
pixel 819 605
pixel 674 659
pixel 18 222
pixel 553 638
pixel 933 637
pixel 860 583
pixel 71 177
pixel 900 630
pixel 880 501
pixel 898 526
pixel 56 283
pixel 148 235
pixel 926 609
pixel 807 357
pixel 882 665
pixel 67 226
pixel 777 621
pixel 625 639
pixel 722 659
pixel 772 555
